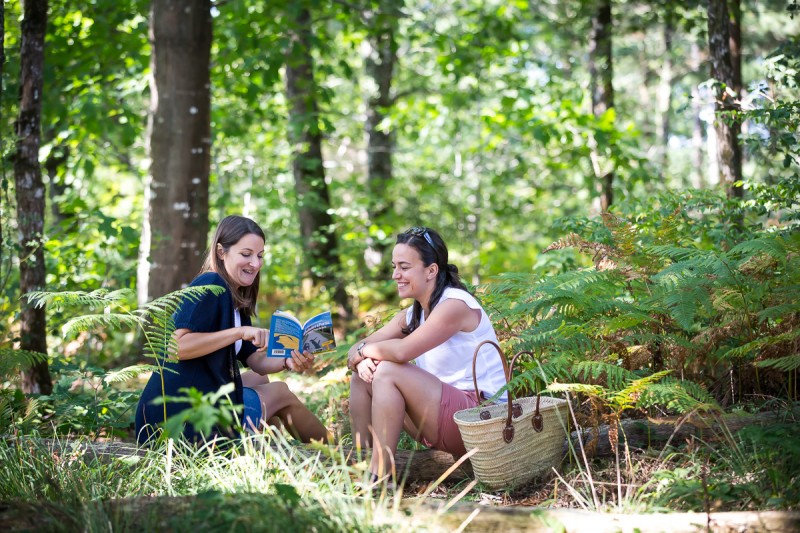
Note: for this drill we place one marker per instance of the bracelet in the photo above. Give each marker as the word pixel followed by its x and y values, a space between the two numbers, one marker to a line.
pixel 286 363
pixel 360 356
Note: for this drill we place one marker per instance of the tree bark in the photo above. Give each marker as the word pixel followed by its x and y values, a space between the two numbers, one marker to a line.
pixel 665 92
pixel 317 227
pixel 698 126
pixel 601 74
pixel 179 142
pixel 727 99
pixel 2 140
pixel 30 193
pixel 380 64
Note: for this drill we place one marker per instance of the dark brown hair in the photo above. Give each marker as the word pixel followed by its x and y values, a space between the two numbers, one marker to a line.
pixel 432 249
pixel 230 231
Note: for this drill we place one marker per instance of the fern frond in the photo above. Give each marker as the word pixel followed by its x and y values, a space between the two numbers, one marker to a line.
pixel 693 389
pixel 757 345
pixel 100 321
pixel 676 253
pixel 591 390
pixel 787 363
pixel 624 232
pixel 64 299
pixel 128 373
pixel 673 397
pixel 12 360
pixel 683 304
pixel 779 311
pixel 770 245
pixel 627 397
pixel 169 303
pixel 615 376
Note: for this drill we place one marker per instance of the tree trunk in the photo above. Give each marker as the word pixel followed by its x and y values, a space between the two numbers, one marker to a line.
pixel 665 93
pixel 380 65
pixel 30 192
pixel 176 198
pixel 727 100
pixel 316 223
pixel 601 73
pixel 699 126
pixel 2 144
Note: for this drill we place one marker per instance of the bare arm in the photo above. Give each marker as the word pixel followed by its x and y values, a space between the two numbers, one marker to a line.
pixel 448 318
pixel 192 345
pixel 392 330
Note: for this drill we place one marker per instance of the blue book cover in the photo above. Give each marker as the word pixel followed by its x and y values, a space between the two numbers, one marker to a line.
pixel 286 333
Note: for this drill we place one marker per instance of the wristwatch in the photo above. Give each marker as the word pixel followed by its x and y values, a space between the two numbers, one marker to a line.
pixel 360 356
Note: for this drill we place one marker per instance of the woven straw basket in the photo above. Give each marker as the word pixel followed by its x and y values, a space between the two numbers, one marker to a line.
pixel 516 441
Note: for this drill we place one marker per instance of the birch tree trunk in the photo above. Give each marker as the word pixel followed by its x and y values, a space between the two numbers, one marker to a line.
pixel 30 192
pixel 176 223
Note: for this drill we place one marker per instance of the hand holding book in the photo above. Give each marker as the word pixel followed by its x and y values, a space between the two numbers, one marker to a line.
pixel 299 362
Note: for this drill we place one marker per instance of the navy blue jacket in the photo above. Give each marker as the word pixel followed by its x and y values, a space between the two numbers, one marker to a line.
pixel 207 373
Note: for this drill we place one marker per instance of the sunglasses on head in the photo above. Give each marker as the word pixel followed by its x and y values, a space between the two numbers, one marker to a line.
pixel 421 231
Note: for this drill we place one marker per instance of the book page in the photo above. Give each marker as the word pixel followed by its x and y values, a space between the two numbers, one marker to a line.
pixel 318 334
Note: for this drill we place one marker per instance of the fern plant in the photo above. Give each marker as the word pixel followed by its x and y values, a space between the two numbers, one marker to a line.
pixel 660 293
pixel 110 310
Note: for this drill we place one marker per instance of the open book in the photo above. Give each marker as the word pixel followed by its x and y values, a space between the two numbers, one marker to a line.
pixel 286 333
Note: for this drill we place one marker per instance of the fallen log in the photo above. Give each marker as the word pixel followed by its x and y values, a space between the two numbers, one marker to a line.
pixel 649 433
pixel 412 465
pixel 430 465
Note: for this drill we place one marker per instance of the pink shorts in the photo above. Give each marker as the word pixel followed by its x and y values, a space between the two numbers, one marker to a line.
pixel 453 400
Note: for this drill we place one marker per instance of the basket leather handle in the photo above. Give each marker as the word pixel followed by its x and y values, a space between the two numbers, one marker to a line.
pixel 514 410
pixel 537 421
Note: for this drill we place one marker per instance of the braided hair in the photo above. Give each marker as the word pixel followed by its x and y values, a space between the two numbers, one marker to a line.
pixel 432 249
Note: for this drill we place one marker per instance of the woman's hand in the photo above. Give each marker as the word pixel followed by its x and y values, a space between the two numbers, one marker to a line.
pixel 353 360
pixel 366 369
pixel 300 362
pixel 258 336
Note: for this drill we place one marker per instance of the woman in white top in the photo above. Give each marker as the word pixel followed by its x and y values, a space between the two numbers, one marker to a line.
pixel 439 333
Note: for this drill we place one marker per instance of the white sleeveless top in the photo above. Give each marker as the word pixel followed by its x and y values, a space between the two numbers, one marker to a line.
pixel 451 361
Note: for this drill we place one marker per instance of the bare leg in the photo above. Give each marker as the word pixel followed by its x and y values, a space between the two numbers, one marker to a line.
pixel 277 400
pixel 253 379
pixel 401 389
pixel 361 412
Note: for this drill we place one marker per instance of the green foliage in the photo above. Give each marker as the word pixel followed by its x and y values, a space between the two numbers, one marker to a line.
pixel 259 483
pixel 660 296
pixel 206 412
pixel 15 360
pixel 153 319
pixel 85 398
pixel 754 469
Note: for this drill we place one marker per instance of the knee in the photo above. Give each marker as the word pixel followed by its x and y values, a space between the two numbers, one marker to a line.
pixel 277 392
pixel 386 373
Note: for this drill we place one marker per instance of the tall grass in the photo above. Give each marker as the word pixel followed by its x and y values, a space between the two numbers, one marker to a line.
pixel 260 483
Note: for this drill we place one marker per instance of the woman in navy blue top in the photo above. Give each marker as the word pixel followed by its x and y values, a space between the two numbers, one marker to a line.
pixel 215 333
